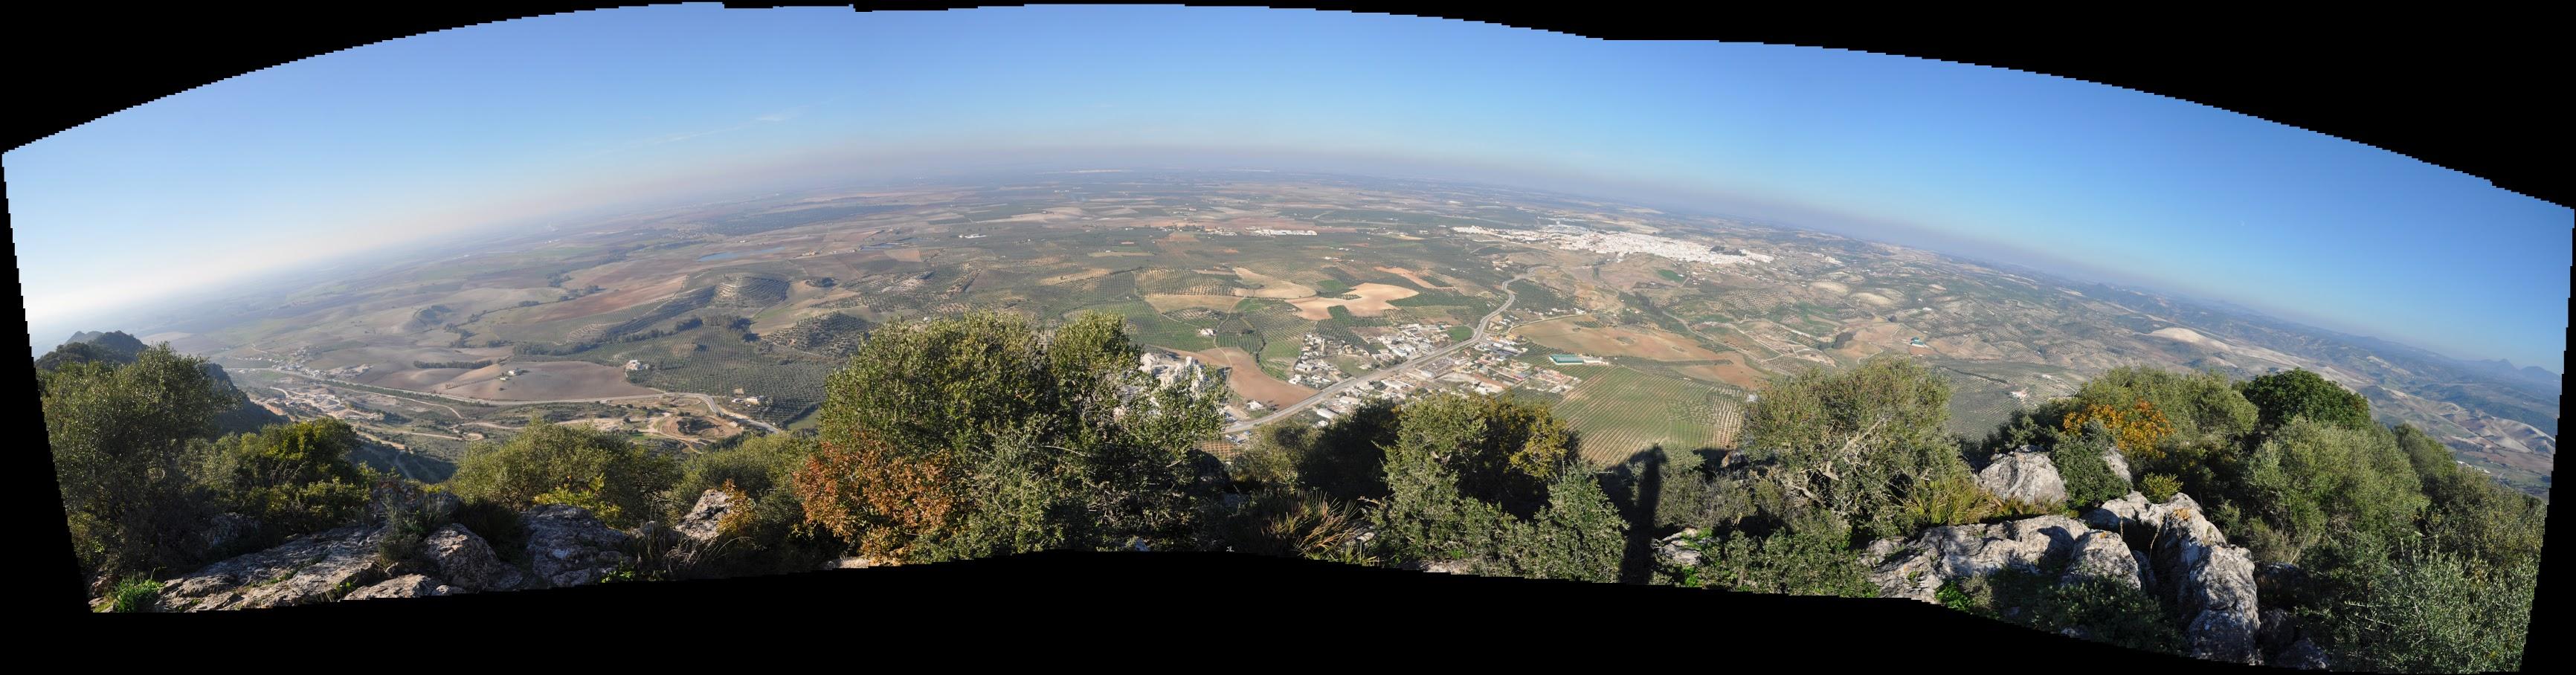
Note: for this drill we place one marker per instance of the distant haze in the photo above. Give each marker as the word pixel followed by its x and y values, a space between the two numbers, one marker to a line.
pixel 415 141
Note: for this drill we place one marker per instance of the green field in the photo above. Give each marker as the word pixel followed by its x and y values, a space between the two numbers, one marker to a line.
pixel 1621 411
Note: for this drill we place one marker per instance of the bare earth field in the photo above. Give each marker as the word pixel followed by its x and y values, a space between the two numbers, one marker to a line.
pixel 1410 275
pixel 1368 300
pixel 1271 287
pixel 542 381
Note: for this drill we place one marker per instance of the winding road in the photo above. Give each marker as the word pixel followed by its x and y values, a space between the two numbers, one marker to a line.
pixel 1509 296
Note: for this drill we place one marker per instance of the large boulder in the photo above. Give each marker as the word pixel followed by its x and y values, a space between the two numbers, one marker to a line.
pixel 2209 580
pixel 310 569
pixel 406 586
pixel 569 547
pixel 2025 475
pixel 466 560
pixel 1917 568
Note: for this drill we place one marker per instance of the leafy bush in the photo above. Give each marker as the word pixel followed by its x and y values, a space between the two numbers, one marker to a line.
pixel 2427 611
pixel 293 478
pixel 2283 396
pixel 2312 482
pixel 2080 462
pixel 2158 487
pixel 1948 500
pixel 620 483
pixel 1811 560
pixel 136 595
pixel 500 526
pixel 1848 441
pixel 2137 429
pixel 123 438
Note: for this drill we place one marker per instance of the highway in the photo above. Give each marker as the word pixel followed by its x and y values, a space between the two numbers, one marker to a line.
pixel 1337 388
pixel 702 398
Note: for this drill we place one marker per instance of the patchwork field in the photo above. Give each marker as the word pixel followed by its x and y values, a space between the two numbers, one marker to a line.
pixel 1270 286
pixel 1366 300
pixel 1621 411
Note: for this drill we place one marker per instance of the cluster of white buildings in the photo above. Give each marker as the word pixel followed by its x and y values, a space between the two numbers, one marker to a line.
pixel 1408 340
pixel 1311 369
pixel 1166 368
pixel 1618 243
pixel 1284 233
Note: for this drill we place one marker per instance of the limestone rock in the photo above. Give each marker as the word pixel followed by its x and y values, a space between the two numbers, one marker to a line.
pixel 305 570
pixel 2024 475
pixel 569 547
pixel 1918 567
pixel 406 586
pixel 703 521
pixel 2103 555
pixel 2209 580
pixel 854 562
pixel 2119 464
pixel 467 560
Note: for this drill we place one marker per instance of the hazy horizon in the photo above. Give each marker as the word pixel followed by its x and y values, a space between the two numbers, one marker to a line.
pixel 459 132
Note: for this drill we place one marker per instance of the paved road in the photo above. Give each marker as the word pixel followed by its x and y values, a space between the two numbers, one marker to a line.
pixel 702 398
pixel 1284 412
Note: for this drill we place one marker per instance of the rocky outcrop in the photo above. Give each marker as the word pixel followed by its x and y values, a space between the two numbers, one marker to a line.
pixel 406 586
pixel 311 569
pixel 1917 568
pixel 2193 568
pixel 464 559
pixel 2025 475
pixel 2209 580
pixel 569 547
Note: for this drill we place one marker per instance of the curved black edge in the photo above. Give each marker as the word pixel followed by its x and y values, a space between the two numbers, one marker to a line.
pixel 2466 92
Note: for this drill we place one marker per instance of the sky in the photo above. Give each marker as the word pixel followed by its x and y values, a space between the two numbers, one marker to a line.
pixel 404 141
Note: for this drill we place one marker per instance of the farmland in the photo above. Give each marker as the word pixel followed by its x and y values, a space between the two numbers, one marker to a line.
pixel 1621 411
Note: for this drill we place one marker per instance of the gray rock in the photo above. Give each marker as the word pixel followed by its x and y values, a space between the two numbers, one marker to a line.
pixel 465 559
pixel 406 586
pixel 2023 475
pixel 225 531
pixel 569 547
pixel 2101 554
pixel 306 570
pixel 2119 464
pixel 440 505
pixel 2209 580
pixel 1676 551
pixel 1918 567
pixel 703 522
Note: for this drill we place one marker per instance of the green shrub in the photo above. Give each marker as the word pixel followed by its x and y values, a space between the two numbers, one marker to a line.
pixel 2089 478
pixel 1948 500
pixel 2159 487
pixel 619 482
pixel 136 595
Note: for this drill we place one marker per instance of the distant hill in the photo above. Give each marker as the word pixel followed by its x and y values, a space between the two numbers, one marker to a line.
pixel 117 347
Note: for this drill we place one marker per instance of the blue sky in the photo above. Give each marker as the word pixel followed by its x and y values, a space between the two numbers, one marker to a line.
pixel 389 143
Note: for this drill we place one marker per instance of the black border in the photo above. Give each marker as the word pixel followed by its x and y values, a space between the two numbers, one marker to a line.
pixel 2471 92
